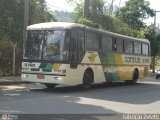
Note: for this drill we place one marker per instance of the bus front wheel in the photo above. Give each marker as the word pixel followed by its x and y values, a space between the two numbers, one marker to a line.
pixel 50 85
pixel 87 79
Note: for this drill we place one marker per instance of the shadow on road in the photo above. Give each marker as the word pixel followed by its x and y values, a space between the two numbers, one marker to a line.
pixel 140 93
pixel 100 99
pixel 76 89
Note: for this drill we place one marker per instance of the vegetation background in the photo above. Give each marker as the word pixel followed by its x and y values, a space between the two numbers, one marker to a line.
pixel 127 20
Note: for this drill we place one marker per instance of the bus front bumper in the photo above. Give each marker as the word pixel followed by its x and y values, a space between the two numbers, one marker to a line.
pixel 42 78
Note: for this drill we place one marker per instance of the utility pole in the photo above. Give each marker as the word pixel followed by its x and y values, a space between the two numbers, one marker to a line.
pixel 26 19
pixel 86 8
pixel 111 9
pixel 14 58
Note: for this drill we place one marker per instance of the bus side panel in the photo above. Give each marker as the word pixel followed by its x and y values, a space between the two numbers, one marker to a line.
pixel 110 68
pixel 92 60
pixel 126 72
pixel 121 67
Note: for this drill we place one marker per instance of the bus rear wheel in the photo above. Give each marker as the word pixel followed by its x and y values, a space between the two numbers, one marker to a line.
pixel 50 85
pixel 87 79
pixel 134 77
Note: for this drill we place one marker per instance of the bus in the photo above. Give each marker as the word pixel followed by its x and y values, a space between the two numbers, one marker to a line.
pixel 60 53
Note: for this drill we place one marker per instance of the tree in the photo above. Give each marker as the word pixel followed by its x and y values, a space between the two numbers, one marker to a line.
pixel 39 12
pixel 154 39
pixel 11 22
pixel 134 12
pixel 99 18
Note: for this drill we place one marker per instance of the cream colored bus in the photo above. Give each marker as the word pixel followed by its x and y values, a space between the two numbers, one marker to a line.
pixel 58 53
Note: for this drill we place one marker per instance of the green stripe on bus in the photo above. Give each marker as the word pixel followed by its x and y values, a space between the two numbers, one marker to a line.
pixel 108 58
pixel 43 65
pixel 112 76
pixel 46 66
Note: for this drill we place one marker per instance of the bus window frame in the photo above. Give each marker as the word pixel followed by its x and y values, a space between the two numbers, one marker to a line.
pixel 101 42
pixel 132 42
pixel 86 40
pixel 120 39
pixel 79 56
pixel 134 47
pixel 149 50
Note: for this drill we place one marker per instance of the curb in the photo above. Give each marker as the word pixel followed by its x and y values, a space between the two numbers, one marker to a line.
pixel 12 82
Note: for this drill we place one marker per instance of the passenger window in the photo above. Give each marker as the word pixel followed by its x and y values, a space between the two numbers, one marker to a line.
pixel 128 46
pixel 145 49
pixel 106 43
pixel 119 46
pixel 92 41
pixel 137 48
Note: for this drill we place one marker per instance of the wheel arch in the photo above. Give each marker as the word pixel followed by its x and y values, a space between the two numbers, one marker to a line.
pixel 137 70
pixel 91 71
pixel 136 73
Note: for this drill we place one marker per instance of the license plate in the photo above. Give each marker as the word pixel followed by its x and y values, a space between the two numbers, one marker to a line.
pixel 40 76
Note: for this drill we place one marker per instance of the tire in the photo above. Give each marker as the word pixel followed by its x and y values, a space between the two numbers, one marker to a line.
pixel 50 86
pixel 87 79
pixel 157 77
pixel 134 78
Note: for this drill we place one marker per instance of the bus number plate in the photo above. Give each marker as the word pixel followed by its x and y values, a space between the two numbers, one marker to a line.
pixel 40 76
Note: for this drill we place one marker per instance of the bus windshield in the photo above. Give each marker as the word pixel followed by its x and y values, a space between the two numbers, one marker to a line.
pixel 47 45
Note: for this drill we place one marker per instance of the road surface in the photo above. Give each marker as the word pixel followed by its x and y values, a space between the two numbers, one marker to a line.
pixel 116 98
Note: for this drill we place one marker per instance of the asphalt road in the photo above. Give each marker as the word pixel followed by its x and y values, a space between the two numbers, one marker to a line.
pixel 115 98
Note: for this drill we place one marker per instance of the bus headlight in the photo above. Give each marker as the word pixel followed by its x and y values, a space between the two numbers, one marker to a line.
pixel 24 76
pixel 57 78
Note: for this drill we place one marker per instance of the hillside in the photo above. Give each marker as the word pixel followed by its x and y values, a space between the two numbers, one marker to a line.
pixel 63 16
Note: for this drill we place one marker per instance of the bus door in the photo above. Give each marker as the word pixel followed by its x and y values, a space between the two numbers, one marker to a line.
pixel 81 46
pixel 77 48
pixel 73 50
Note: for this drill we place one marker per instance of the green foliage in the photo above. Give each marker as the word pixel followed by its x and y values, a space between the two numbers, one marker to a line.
pixel 151 36
pixel 88 23
pixel 154 39
pixel 134 12
pixel 11 30
pixel 128 20
pixel 39 13
pixel 98 18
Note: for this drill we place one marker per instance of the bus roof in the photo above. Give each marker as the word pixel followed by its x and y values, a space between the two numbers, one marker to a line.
pixel 66 25
pixel 53 25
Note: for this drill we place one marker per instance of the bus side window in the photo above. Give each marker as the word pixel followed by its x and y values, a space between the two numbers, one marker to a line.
pixel 106 43
pixel 92 41
pixel 128 46
pixel 145 49
pixel 119 45
pixel 137 48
